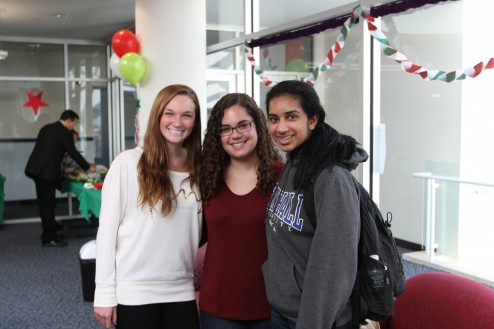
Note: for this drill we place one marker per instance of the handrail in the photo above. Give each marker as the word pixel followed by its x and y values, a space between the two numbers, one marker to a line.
pixel 427 175
pixel 431 204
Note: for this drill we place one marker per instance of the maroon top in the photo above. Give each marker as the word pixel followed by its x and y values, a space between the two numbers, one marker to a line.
pixel 232 284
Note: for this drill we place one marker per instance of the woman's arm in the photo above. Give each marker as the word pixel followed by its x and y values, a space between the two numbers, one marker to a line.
pixel 107 316
pixel 112 211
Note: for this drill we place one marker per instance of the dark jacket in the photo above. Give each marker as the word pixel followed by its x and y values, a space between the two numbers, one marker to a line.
pixel 51 144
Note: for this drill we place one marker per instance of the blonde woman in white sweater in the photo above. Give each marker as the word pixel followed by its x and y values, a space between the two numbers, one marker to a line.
pixel 150 222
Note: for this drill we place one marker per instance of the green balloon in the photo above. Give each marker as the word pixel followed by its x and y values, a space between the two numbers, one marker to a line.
pixel 296 65
pixel 132 67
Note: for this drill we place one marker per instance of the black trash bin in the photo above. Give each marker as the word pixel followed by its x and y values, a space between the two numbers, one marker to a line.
pixel 87 261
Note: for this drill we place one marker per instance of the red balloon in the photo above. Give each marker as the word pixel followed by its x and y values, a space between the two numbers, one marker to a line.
pixel 294 49
pixel 124 41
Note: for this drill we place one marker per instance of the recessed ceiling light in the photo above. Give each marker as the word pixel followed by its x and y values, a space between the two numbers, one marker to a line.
pixel 3 54
pixel 60 15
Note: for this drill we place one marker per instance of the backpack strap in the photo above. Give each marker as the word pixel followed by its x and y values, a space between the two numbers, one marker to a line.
pixel 310 208
pixel 355 299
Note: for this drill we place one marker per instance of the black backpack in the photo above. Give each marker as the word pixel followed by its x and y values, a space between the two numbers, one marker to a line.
pixel 380 275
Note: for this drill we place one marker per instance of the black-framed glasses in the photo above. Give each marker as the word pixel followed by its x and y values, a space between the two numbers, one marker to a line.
pixel 243 127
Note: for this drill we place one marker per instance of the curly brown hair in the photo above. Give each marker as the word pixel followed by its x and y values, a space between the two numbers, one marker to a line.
pixel 215 160
pixel 154 181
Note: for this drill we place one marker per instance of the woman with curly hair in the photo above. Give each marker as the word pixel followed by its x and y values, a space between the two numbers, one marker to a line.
pixel 150 222
pixel 239 168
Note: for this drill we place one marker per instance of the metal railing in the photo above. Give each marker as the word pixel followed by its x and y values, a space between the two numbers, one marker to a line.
pixel 432 185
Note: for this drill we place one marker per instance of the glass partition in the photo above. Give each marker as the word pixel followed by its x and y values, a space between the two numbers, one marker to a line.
pixel 422 119
pixel 129 113
pixel 225 74
pixel 438 127
pixel 33 93
pixel 277 12
pixel 25 107
pixel 463 246
pixel 32 60
pixel 90 101
pixel 224 20
pixel 339 88
pixel 87 61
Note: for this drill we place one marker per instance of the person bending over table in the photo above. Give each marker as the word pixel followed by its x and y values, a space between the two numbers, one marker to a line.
pixel 44 167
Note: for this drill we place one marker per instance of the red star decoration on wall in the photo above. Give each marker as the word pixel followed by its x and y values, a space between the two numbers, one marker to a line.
pixel 35 101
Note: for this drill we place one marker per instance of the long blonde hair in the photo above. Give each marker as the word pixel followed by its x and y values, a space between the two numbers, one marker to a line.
pixel 153 177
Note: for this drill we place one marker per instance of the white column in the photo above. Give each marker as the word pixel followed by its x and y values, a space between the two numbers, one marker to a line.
pixel 172 36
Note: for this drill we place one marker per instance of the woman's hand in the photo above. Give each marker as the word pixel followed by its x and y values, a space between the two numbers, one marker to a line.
pixel 107 316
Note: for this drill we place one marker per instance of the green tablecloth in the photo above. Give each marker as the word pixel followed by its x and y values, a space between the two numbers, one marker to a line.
pixel 2 196
pixel 89 199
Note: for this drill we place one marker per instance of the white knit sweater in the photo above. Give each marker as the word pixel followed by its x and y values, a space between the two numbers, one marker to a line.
pixel 141 256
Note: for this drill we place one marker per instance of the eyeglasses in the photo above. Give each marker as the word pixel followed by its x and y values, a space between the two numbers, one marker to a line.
pixel 243 127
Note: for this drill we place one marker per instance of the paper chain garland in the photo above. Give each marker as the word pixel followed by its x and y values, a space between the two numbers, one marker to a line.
pixel 406 64
pixel 257 69
pixel 335 49
pixel 325 65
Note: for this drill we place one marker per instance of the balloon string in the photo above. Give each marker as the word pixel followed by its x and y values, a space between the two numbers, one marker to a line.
pixel 136 120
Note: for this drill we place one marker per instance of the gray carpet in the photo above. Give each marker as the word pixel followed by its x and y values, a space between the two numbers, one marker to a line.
pixel 41 288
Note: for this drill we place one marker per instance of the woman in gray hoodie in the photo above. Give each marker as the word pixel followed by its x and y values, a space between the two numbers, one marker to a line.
pixel 313 217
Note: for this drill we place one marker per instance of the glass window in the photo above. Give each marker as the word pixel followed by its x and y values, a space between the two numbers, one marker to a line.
pixel 26 106
pixel 130 112
pixel 228 59
pixel 337 87
pixel 90 101
pixel 224 20
pixel 87 61
pixel 412 110
pixel 295 57
pixel 225 74
pixel 32 60
pixel 215 36
pixel 277 12
pixel 441 128
pixel 19 127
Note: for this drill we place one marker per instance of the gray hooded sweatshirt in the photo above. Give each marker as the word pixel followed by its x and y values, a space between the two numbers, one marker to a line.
pixel 312 262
